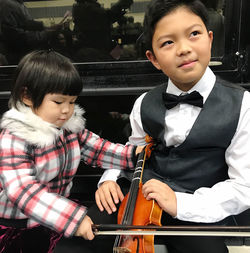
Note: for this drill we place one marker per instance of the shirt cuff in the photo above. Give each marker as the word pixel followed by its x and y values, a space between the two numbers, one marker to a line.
pixel 195 209
pixel 110 174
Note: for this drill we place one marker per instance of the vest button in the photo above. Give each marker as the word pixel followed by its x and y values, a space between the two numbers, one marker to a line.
pixel 174 155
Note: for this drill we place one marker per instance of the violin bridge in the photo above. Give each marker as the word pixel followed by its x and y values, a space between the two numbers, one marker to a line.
pixel 121 250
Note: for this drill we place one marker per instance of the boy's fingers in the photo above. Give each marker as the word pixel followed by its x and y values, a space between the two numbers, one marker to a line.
pixel 98 202
pixel 101 201
pixel 111 198
pixel 108 195
pixel 120 194
pixel 112 194
pixel 109 206
pixel 116 193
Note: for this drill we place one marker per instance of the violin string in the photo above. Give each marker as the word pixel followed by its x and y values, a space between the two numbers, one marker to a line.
pixel 132 196
pixel 133 191
pixel 128 215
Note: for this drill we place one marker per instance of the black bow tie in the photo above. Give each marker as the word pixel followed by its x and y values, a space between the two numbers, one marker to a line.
pixel 194 98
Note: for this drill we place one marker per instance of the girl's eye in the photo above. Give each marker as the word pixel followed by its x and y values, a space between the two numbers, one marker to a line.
pixel 72 103
pixel 57 102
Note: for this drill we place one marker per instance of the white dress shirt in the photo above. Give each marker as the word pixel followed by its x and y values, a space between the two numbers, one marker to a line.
pixel 229 197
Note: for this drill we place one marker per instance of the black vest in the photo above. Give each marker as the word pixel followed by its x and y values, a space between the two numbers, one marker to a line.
pixel 200 160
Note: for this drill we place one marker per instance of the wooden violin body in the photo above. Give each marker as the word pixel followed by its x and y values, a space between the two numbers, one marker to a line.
pixel 136 210
pixel 145 213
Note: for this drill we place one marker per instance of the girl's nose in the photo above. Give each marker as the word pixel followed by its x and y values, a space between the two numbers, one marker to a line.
pixel 65 108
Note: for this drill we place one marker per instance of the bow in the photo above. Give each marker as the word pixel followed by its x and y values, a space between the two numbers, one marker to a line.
pixel 194 98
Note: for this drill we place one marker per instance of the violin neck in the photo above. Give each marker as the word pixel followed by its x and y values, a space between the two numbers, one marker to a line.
pixel 133 191
pixel 137 177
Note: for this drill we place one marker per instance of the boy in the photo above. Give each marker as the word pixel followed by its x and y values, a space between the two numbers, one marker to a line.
pixel 199 170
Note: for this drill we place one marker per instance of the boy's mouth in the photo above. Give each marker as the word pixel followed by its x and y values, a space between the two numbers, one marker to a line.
pixel 187 64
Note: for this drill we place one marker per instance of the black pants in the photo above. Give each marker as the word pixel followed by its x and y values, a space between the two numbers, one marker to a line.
pixel 175 244
pixel 98 245
pixel 27 240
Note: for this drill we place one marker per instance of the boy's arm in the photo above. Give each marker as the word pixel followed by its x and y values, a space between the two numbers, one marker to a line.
pixel 137 138
pixel 109 175
pixel 163 194
pixel 109 193
pixel 225 198
pixel 229 197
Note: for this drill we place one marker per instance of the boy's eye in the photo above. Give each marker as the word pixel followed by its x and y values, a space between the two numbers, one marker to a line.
pixel 195 33
pixel 167 43
pixel 73 102
pixel 57 102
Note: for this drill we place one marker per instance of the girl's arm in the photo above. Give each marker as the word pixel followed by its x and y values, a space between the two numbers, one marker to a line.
pixel 98 152
pixel 29 198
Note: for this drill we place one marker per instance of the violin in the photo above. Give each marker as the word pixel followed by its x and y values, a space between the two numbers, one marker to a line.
pixel 137 211
pixel 140 219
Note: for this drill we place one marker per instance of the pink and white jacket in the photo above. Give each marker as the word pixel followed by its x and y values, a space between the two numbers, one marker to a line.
pixel 38 162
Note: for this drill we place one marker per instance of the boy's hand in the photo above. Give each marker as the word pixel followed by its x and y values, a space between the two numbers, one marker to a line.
pixel 162 193
pixel 85 229
pixel 107 195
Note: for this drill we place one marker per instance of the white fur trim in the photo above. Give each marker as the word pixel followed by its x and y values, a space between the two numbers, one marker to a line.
pixel 30 127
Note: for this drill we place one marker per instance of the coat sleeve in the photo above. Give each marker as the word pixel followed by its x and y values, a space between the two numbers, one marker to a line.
pixel 29 195
pixel 98 152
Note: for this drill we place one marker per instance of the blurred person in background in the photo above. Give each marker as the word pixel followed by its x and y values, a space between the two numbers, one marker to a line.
pixel 93 26
pixel 20 33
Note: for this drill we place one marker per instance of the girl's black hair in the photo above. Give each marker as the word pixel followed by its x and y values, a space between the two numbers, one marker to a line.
pixel 157 9
pixel 42 72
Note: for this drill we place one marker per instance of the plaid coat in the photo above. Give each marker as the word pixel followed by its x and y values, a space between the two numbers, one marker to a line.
pixel 38 162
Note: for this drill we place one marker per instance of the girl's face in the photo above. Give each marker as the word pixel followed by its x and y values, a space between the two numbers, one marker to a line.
pixel 55 108
pixel 182 47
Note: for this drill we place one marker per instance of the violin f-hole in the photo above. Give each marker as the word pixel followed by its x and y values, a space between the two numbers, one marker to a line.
pixel 138 244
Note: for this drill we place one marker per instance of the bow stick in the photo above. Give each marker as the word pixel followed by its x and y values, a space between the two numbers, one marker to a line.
pixel 229 231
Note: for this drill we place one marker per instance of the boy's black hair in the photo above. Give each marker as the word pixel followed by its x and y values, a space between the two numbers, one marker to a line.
pixel 42 72
pixel 157 9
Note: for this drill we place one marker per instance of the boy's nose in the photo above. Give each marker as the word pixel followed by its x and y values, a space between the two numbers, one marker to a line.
pixel 183 48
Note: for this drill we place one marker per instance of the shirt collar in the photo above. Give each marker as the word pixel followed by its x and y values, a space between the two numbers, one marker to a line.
pixel 204 86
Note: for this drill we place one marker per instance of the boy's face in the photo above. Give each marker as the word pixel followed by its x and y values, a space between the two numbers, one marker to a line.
pixel 55 108
pixel 182 47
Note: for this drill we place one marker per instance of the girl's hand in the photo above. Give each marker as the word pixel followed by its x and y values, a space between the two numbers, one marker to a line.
pixel 162 193
pixel 85 229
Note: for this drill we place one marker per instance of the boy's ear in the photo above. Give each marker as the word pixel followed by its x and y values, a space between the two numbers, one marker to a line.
pixel 150 55
pixel 211 36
